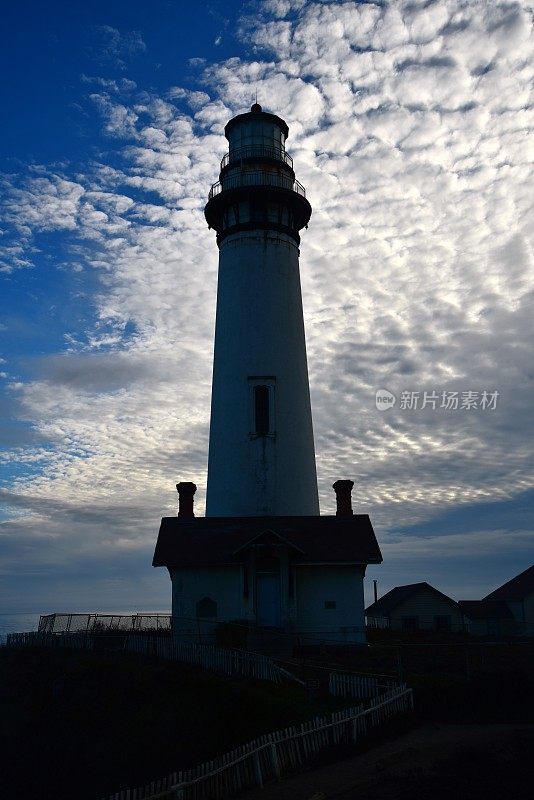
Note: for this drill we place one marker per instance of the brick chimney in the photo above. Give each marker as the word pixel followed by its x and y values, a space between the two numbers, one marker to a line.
pixel 343 490
pixel 186 491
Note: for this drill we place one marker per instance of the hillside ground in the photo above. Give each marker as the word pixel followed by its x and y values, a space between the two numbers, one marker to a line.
pixel 99 722
pixel 103 721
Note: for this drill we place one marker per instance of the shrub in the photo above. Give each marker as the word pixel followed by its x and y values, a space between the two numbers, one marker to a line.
pixel 232 634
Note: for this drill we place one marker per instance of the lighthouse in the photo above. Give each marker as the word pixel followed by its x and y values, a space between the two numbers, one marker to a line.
pixel 263 555
pixel 261 450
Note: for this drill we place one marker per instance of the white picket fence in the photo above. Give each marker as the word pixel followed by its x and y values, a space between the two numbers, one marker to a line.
pixel 218 659
pixel 269 757
pixel 76 641
pixel 357 687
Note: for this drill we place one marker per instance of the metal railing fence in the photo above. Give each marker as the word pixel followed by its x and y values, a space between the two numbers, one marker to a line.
pixel 195 628
pixel 98 623
pixel 256 151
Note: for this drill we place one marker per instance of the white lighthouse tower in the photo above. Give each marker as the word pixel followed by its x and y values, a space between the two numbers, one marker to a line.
pixel 261 451
pixel 263 554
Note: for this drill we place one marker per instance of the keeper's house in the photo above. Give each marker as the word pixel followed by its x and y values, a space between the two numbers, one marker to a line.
pixel 300 575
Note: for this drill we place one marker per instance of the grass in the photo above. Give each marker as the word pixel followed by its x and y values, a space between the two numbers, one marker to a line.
pixel 104 721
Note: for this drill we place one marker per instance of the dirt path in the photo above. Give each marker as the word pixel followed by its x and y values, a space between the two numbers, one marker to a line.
pixel 412 753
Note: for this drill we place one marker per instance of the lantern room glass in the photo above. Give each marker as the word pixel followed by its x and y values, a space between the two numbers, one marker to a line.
pixel 257 138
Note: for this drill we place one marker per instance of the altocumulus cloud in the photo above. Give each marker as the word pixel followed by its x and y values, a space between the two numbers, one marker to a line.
pixel 410 126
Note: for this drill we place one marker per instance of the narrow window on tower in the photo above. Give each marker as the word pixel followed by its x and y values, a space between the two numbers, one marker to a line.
pixel 273 212
pixel 262 405
pixel 261 410
pixel 259 213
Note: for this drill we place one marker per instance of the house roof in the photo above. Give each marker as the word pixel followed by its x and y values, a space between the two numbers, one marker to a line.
pixel 204 541
pixel 386 604
pixel 268 537
pixel 485 609
pixel 515 589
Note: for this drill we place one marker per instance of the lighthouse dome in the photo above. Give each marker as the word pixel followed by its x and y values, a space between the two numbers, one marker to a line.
pixel 258 130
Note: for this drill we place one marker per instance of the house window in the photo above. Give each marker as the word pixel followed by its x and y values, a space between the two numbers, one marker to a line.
pixel 262 405
pixel 329 603
pixel 442 623
pixel 206 608
pixel 410 623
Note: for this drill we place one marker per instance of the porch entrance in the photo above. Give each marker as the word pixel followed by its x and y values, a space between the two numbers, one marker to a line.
pixel 268 599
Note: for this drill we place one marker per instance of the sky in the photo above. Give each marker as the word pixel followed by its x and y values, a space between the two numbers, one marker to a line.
pixel 410 125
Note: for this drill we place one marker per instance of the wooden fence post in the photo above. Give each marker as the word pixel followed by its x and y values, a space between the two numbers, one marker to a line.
pixel 275 761
pixel 257 770
pixel 400 671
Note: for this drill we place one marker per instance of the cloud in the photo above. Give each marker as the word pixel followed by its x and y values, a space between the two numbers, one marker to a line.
pixel 409 126
pixel 45 203
pixel 76 556
pixel 113 47
pixel 104 372
pixel 119 120
pixel 123 85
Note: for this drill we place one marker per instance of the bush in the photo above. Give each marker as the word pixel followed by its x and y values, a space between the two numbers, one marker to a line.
pixel 232 634
pixel 113 720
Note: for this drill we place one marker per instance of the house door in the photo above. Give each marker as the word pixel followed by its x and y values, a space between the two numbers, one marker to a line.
pixel 268 599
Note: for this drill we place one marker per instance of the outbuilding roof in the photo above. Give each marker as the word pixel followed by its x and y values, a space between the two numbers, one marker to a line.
pixel 515 589
pixel 386 604
pixel 485 609
pixel 204 541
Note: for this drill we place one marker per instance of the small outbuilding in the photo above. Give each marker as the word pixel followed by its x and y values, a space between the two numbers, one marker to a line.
pixel 518 594
pixel 487 617
pixel 416 606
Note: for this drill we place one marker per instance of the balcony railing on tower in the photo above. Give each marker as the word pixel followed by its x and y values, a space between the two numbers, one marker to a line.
pixel 257 178
pixel 256 151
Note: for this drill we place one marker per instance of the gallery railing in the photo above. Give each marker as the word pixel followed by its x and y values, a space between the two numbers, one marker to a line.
pixel 260 178
pixel 256 151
